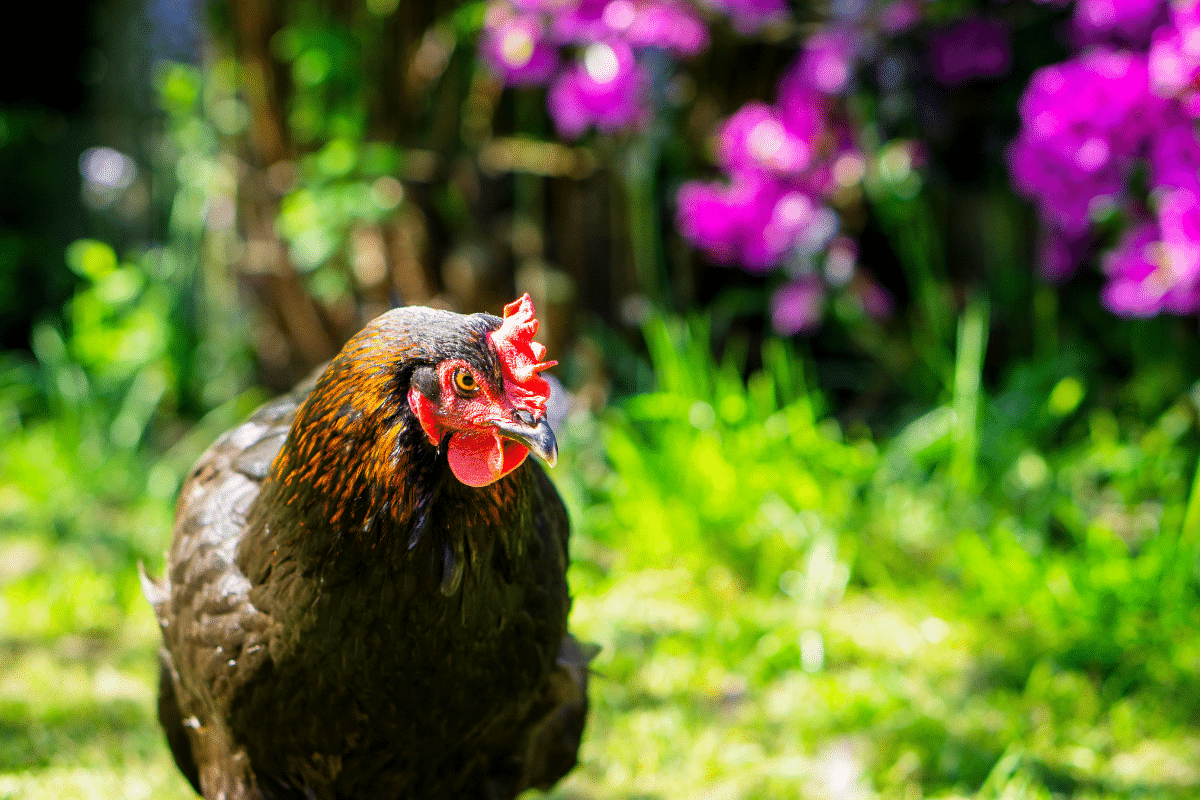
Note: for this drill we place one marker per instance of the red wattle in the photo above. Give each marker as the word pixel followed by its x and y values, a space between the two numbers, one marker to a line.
pixel 478 458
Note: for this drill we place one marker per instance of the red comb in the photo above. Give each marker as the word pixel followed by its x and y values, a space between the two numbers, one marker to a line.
pixel 521 357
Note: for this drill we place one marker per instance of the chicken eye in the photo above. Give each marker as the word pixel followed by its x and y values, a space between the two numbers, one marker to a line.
pixel 464 381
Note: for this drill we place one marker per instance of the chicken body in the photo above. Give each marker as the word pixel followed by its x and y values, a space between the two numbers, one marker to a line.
pixel 343 618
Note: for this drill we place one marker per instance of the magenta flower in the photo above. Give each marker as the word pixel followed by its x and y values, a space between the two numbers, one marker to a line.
pixel 605 88
pixel 825 64
pixel 751 16
pixel 899 16
pixel 798 306
pixel 788 228
pixel 583 21
pixel 972 49
pixel 513 44
pixel 1175 155
pixel 783 164
pixel 710 216
pixel 664 24
pixel 1179 219
pixel 728 222
pixel 1127 22
pixel 542 6
pixel 841 164
pixel 823 67
pixel 1156 265
pixel 1175 57
pixel 1112 89
pixel 756 138
pixel 754 220
pixel 1135 287
pixel 1145 279
pixel 1082 124
pixel 668 26
pixel 1091 123
pixel 1068 187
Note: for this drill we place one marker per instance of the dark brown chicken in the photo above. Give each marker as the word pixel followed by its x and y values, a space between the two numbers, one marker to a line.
pixel 366 593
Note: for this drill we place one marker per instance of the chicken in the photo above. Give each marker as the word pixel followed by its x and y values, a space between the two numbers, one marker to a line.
pixel 366 592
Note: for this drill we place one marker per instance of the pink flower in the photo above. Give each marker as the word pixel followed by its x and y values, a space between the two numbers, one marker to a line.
pixel 750 16
pixel 663 24
pixel 785 229
pixel 1126 22
pixel 710 217
pixel 783 164
pixel 1156 267
pixel 824 66
pixel 798 306
pixel 605 88
pixel 1065 192
pixel 1135 288
pixel 1175 57
pixel 755 138
pixel 1083 123
pixel 1175 155
pixel 1179 218
pixel 666 25
pixel 514 46
pixel 901 15
pixel 754 220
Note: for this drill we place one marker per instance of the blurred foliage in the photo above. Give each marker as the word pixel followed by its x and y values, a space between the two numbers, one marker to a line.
pixel 38 151
pixel 789 611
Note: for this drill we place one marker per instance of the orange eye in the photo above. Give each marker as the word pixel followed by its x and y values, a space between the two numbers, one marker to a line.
pixel 464 381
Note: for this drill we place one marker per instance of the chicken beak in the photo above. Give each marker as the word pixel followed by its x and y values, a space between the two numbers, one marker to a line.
pixel 537 437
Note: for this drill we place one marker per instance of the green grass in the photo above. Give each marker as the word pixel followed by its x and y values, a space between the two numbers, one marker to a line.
pixel 76 718
pixel 783 610
pixel 77 643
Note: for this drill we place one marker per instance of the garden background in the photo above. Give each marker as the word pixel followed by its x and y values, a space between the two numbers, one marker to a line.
pixel 877 331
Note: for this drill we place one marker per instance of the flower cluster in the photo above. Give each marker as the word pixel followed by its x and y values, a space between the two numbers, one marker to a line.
pixel 1118 22
pixel 1089 125
pixel 1175 58
pixel 1084 122
pixel 783 163
pixel 748 16
pixel 604 81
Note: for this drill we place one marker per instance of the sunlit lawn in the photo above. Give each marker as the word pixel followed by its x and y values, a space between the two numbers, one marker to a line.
pixel 873 695
pixel 76 718
pixel 701 690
